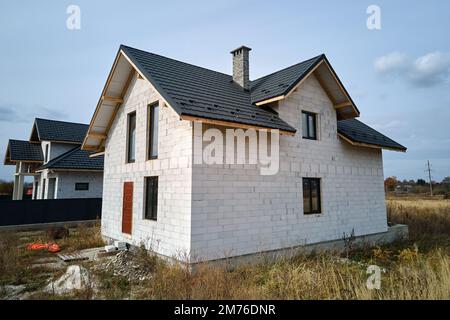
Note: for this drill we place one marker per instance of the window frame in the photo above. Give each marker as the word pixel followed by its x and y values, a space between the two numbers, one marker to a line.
pixel 150 132
pixel 319 195
pixel 47 151
pixel 314 116
pixel 153 214
pixel 77 184
pixel 128 150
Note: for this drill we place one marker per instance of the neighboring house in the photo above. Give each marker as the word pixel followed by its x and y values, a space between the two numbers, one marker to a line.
pixel 330 178
pixel 53 157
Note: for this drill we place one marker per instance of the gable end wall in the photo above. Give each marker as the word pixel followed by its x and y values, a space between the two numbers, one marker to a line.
pixel 237 211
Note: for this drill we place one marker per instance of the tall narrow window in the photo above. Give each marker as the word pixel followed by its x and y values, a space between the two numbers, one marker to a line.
pixel 309 125
pixel 311 195
pixel 131 143
pixel 151 198
pixel 46 153
pixel 153 114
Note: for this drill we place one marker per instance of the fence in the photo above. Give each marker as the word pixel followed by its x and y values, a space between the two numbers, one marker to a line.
pixel 26 212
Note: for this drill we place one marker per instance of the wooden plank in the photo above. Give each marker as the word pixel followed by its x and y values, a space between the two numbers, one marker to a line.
pixel 71 257
pixel 270 100
pixel 232 124
pixel 367 145
pixel 112 99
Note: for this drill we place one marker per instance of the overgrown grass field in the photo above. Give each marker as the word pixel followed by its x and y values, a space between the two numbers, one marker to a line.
pixel 418 268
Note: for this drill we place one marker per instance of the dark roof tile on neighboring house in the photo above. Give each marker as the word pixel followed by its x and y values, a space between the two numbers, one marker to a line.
pixel 53 130
pixel 19 150
pixel 359 132
pixel 199 92
pixel 75 159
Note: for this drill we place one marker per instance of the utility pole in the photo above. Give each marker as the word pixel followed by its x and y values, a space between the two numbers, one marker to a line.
pixel 429 177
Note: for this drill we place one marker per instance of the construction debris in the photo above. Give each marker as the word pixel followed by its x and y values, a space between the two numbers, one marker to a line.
pixel 110 248
pixel 120 245
pixel 75 278
pixel 125 264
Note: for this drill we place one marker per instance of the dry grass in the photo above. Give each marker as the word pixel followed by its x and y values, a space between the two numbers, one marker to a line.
pixel 423 217
pixel 408 276
pixel 415 269
pixel 18 265
pixel 83 237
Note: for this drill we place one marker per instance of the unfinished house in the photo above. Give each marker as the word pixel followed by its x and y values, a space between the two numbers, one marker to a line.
pixel 53 157
pixel 146 124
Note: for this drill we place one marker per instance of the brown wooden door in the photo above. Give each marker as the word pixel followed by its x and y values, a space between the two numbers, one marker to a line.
pixel 127 208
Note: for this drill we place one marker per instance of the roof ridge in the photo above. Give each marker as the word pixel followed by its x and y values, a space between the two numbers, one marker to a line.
pixel 19 140
pixel 296 64
pixel 61 121
pixel 191 64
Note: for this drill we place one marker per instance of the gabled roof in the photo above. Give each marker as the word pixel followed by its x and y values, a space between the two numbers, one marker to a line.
pixel 282 81
pixel 279 85
pixel 199 92
pixel 75 159
pixel 19 150
pixel 58 131
pixel 358 133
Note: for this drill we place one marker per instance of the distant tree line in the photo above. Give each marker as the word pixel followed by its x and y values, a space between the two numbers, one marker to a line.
pixel 417 186
pixel 6 187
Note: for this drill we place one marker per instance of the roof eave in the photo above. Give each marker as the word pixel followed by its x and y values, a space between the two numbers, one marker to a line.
pixel 321 59
pixel 145 75
pixel 370 145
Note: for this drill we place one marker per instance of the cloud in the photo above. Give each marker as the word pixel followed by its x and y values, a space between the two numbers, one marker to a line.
pixel 426 71
pixel 394 63
pixel 16 113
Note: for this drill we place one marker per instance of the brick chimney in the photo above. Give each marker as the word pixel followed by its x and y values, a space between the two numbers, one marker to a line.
pixel 241 74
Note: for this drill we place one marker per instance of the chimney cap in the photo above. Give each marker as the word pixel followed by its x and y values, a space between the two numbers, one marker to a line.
pixel 241 47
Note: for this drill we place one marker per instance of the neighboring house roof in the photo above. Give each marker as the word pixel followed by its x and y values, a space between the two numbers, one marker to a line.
pixel 19 150
pixel 58 131
pixel 75 159
pixel 199 92
pixel 358 133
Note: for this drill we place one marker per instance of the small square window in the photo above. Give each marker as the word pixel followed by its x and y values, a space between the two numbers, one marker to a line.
pixel 311 196
pixel 309 124
pixel 81 186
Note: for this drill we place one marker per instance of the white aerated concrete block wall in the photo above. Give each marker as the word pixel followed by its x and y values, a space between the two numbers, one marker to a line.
pixel 237 211
pixel 170 234
pixel 65 184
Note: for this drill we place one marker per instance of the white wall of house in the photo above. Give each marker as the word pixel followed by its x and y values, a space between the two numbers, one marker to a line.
pixel 56 148
pixel 170 234
pixel 66 181
pixel 215 211
pixel 65 184
pixel 237 211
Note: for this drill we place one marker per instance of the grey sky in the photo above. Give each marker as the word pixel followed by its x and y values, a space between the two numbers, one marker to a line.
pixel 398 76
